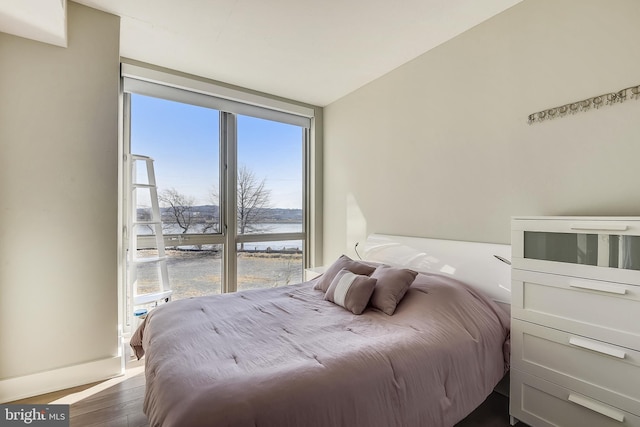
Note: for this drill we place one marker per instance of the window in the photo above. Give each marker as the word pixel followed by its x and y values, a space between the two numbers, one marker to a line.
pixel 183 141
pixel 269 200
pixel 231 181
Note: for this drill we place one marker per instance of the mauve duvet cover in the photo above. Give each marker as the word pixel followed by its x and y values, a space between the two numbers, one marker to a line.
pixel 283 357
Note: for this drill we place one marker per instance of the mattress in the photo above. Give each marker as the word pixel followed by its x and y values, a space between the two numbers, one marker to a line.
pixel 286 357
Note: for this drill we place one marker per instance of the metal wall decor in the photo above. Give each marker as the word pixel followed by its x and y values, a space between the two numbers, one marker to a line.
pixel 596 102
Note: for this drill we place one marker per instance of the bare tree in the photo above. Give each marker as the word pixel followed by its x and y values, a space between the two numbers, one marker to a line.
pixel 252 199
pixel 143 213
pixel 180 208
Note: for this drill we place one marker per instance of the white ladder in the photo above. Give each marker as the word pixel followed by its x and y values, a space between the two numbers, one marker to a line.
pixel 155 222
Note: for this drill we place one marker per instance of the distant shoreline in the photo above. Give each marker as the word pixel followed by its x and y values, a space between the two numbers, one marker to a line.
pixel 267 250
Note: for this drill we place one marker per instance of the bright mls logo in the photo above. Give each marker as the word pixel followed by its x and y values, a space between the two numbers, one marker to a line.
pixel 34 415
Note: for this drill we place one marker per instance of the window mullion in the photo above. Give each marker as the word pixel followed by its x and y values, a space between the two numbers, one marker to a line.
pixel 229 142
pixel 306 195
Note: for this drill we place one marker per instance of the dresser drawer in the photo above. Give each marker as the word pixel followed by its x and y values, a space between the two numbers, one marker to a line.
pixel 598 248
pixel 605 311
pixel 541 403
pixel 603 371
pixel 611 225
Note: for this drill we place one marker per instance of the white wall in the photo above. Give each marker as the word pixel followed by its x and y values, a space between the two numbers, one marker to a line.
pixel 58 207
pixel 440 147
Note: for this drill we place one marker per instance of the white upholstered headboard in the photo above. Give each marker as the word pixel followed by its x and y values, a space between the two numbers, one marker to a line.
pixel 470 262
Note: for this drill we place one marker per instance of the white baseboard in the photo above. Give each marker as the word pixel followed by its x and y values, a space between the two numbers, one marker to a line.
pixel 59 379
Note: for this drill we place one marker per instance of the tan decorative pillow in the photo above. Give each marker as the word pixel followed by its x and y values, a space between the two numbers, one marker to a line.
pixel 391 285
pixel 343 262
pixel 351 291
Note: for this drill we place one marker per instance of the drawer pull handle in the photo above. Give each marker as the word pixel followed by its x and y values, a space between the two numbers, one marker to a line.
pixel 597 407
pixel 602 287
pixel 596 226
pixel 597 347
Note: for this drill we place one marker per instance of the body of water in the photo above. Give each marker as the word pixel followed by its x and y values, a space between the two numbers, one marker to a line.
pixel 266 228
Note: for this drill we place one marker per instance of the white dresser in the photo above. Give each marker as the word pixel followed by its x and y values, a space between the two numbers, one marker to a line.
pixel 575 319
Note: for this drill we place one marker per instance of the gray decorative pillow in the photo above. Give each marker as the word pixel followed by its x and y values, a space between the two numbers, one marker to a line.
pixel 343 262
pixel 351 291
pixel 391 285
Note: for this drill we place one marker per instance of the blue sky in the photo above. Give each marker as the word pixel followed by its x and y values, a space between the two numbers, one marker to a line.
pixel 184 142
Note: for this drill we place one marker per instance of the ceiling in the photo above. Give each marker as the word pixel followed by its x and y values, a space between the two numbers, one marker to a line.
pixel 309 51
pixel 42 20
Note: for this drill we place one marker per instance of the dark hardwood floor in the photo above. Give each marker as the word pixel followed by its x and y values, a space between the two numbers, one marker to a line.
pixel 494 412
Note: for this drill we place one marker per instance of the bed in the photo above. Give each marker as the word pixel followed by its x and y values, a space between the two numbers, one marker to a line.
pixel 288 356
